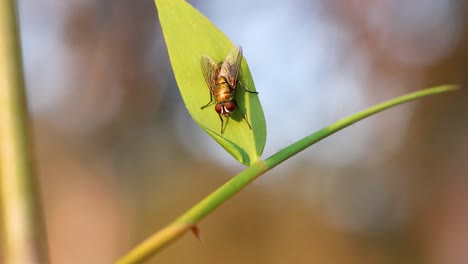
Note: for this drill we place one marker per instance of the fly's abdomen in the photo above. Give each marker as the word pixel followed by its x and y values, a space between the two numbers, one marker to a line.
pixel 222 92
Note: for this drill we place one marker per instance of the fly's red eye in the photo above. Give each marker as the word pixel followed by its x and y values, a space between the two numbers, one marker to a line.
pixel 218 108
pixel 230 106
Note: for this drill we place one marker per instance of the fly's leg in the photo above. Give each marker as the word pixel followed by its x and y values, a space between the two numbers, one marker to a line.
pixel 209 103
pixel 222 124
pixel 240 110
pixel 243 116
pixel 245 88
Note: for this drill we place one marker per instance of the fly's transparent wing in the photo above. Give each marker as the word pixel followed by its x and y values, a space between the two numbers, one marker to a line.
pixel 231 65
pixel 210 71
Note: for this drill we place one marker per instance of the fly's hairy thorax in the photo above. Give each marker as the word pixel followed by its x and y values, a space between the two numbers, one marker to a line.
pixel 222 91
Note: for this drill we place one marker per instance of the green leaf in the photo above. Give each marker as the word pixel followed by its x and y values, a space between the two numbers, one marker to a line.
pixel 189 35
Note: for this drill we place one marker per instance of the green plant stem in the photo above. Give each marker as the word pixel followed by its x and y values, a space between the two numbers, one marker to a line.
pixel 22 235
pixel 306 142
pixel 189 219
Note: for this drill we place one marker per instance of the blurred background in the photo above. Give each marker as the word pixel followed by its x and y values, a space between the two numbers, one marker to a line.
pixel 118 156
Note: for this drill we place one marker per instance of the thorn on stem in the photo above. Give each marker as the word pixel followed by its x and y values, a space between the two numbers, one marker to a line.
pixel 196 231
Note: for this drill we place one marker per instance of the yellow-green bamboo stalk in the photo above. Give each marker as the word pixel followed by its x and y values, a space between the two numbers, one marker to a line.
pixel 22 233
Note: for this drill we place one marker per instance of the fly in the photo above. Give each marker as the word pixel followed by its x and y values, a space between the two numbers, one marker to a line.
pixel 222 82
